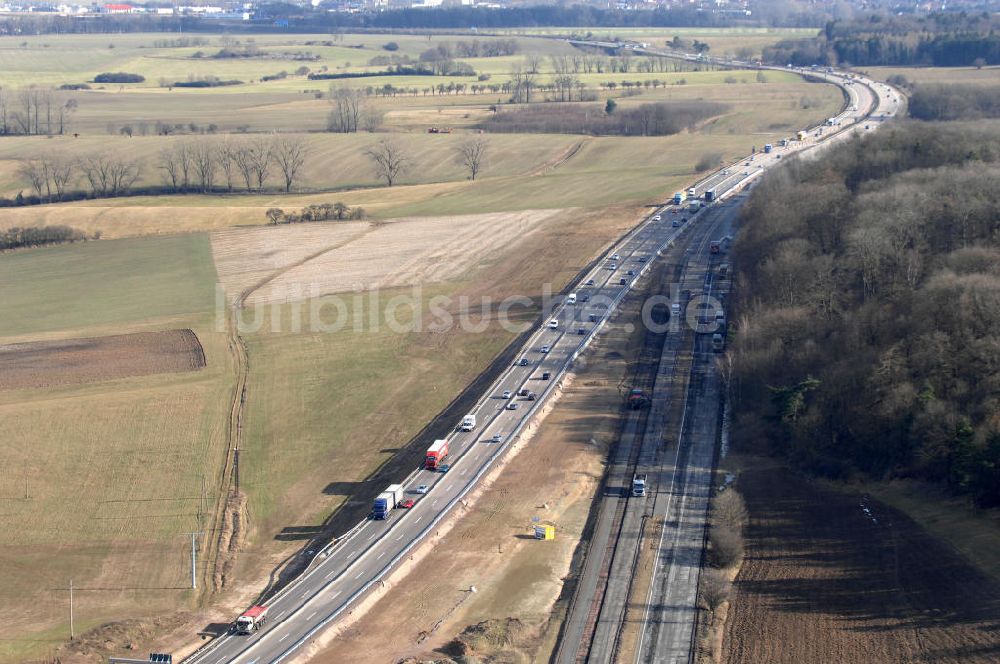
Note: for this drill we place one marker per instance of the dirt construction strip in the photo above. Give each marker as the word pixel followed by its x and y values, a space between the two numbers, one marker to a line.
pixel 87 360
pixel 833 577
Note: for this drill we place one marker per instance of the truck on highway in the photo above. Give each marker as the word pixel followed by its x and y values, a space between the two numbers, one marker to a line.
pixel 468 423
pixel 714 247
pixel 709 195
pixel 694 206
pixel 692 193
pixel 436 453
pixel 571 298
pixel 639 484
pixel 768 148
pixel 679 197
pixel 802 135
pixel 387 501
pixel 251 620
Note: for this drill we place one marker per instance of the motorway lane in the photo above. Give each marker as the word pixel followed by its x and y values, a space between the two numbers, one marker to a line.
pixel 344 572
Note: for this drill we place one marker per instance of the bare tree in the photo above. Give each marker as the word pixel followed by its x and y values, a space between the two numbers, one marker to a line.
pixel 109 175
pixel 32 171
pixel 226 158
pixel 389 159
pixel 4 104
pixel 60 172
pixel 204 162
pixel 472 154
pixel 167 162
pixel 243 160
pixel 290 154
pixel 348 107
pixel 533 63
pixel 261 153
pixel 714 588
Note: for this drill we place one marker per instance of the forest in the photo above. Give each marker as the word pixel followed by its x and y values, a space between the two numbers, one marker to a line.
pixel 940 40
pixel 867 326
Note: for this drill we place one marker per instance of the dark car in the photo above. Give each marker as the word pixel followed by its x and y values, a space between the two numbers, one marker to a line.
pixel 546 375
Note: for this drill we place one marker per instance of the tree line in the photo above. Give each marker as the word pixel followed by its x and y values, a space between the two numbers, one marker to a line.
pixel 187 165
pixel 954 102
pixel 34 110
pixel 867 318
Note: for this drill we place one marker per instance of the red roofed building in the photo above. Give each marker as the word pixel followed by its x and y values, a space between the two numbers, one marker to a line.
pixel 118 9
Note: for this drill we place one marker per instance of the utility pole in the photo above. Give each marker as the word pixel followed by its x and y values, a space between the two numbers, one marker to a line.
pixel 194 559
pixel 72 634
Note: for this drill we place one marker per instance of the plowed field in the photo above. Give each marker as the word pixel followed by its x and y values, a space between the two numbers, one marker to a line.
pixel 831 577
pixel 74 361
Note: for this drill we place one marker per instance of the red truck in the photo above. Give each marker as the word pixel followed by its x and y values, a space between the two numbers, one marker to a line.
pixel 251 620
pixel 436 453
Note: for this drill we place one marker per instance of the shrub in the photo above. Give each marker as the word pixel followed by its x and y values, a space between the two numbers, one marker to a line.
pixel 119 77
pixel 390 46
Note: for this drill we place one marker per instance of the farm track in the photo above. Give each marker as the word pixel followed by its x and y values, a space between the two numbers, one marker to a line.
pixel 229 497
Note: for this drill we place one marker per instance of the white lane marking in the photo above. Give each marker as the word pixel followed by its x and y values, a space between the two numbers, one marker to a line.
pixel 399 538
pixel 335 594
pixel 372 537
pixel 379 556
pixel 418 520
pixel 305 594
pixel 449 487
pixel 434 503
pixel 283 638
pixel 330 574
pixel 281 614
pixel 360 574
pixel 463 471
pixel 310 616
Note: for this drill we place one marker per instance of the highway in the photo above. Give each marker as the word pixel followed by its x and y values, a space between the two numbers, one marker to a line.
pixel 341 574
pixel 345 571
pixel 679 473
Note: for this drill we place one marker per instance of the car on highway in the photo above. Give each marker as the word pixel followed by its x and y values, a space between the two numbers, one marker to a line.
pixel 545 349
pixel 612 266
pixel 507 394
pixel 656 218
pixel 406 504
pixel 640 259
pixel 553 324
pixel 524 362
pixel 585 298
pixel 531 396
pixel 622 281
pixel 592 318
pixel 684 220
pixel 423 488
pixel 631 273
pixel 675 223
pixel 546 375
pixel 444 467
pixel 497 437
pixel 512 405
pixel 615 257
pixel 581 331
pixel 589 282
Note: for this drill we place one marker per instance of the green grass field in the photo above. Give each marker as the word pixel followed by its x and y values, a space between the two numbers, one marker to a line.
pixel 967 75
pixel 106 477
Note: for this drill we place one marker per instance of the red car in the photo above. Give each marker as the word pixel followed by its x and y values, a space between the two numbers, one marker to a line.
pixel 406 504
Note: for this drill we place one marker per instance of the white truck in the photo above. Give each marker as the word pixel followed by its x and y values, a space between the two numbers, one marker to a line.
pixel 386 501
pixel 571 298
pixel 251 620
pixel 468 423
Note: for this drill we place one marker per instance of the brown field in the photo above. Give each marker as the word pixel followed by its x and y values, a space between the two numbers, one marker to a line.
pixel 338 257
pixel 826 581
pixel 73 361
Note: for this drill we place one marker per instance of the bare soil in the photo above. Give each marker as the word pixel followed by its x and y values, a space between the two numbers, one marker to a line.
pixel 87 360
pixel 314 260
pixel 838 577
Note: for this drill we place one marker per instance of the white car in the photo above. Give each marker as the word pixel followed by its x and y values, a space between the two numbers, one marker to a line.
pixel 544 349
pixel 553 324
pixel 507 394
pixel 615 257
pixel 497 437
pixel 423 488
pixel 656 218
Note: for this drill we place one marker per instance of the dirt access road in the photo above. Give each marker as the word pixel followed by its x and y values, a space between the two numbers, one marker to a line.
pixel 824 580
